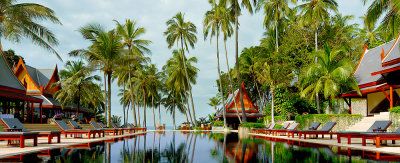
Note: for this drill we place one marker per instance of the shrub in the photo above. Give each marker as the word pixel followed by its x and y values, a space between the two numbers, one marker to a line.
pixel 196 128
pixel 395 109
pixel 278 126
pixel 343 120
pixel 252 125
pixel 218 123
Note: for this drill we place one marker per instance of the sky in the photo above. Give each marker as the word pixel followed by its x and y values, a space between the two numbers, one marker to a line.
pixel 152 15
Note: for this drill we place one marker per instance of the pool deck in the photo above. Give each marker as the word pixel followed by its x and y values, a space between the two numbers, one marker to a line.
pixel 356 143
pixel 7 151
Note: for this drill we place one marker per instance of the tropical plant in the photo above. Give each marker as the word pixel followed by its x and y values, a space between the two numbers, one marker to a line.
pixel 21 20
pixel 105 52
pixel 185 32
pixel 116 120
pixel 79 86
pixel 331 75
pixel 214 102
pixel 391 11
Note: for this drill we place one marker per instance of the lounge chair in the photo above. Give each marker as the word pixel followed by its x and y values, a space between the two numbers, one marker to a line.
pixel 314 126
pixel 65 129
pixel 96 126
pixel 258 130
pixel 378 137
pixel 74 124
pixel 266 129
pixel 21 136
pixel 129 129
pixel 292 127
pixel 137 128
pixel 284 127
pixel 378 126
pixel 326 129
pixel 119 131
pixel 11 123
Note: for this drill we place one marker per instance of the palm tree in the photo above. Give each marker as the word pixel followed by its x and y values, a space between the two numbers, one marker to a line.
pixel 274 73
pixel 185 32
pixel 79 85
pixel 175 73
pixel 236 10
pixel 136 47
pixel 330 75
pixel 214 102
pixel 105 52
pixel 213 22
pixel 275 10
pixel 19 20
pixel 154 82
pixel 391 11
pixel 314 12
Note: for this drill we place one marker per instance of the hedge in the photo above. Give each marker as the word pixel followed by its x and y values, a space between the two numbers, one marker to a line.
pixel 218 123
pixel 343 120
pixel 277 119
pixel 395 109
pixel 252 125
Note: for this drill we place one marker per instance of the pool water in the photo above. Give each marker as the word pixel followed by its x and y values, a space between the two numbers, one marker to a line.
pixel 203 147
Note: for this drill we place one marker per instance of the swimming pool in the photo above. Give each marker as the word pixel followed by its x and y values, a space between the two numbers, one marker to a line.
pixel 201 147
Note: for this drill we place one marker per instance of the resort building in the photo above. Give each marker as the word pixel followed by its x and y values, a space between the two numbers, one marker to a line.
pixel 14 101
pixel 377 75
pixel 252 112
pixel 40 83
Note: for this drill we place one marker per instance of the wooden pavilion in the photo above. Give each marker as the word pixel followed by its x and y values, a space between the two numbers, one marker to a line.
pixel 252 112
pixel 40 84
pixel 378 77
pixel 14 102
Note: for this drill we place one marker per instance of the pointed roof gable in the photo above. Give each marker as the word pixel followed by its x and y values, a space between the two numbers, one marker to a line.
pixel 8 79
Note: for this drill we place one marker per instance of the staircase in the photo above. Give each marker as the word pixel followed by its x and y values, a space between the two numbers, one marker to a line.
pixel 367 122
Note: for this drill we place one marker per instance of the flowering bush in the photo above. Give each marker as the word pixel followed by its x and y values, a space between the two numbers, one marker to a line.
pixel 73 116
pixel 44 117
pixel 58 116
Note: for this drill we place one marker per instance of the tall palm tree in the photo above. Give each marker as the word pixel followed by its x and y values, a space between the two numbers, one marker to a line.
pixel 274 72
pixel 154 82
pixel 236 11
pixel 184 32
pixel 370 34
pixel 131 35
pixel 213 22
pixel 314 12
pixel 391 11
pixel 79 86
pixel 330 75
pixel 104 52
pixel 19 20
pixel 275 10
pixel 214 102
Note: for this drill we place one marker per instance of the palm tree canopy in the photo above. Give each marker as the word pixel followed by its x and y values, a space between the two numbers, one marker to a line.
pixel 214 101
pixel 19 20
pixel 316 11
pixel 180 30
pixel 217 19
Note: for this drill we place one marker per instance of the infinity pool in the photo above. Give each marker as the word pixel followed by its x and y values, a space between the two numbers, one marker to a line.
pixel 201 147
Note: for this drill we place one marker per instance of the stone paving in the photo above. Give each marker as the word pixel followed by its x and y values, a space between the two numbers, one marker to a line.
pixel 7 150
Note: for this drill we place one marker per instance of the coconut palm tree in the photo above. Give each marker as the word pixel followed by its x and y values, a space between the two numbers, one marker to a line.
pixel 370 34
pixel 273 72
pixel 214 102
pixel 79 86
pixel 236 11
pixel 275 10
pixel 184 32
pixel 135 48
pixel 105 52
pixel 213 22
pixel 391 11
pixel 18 20
pixel 154 82
pixel 331 75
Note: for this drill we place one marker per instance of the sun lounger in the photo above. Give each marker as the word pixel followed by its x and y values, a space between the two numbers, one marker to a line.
pixel 137 128
pixel 265 130
pixel 378 137
pixel 65 129
pixel 13 123
pixel 326 129
pixel 293 126
pixel 119 131
pixel 258 130
pixel 96 126
pixel 313 126
pixel 284 127
pixel 378 126
pixel 19 136
pixel 129 129
pixel 74 124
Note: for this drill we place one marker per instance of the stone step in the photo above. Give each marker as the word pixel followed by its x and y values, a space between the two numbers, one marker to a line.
pixel 367 122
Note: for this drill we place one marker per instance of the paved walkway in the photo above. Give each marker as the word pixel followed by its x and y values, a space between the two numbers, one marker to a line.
pixel 356 143
pixel 7 151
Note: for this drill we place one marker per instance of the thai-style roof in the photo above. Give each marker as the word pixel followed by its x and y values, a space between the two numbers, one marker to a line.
pixel 379 60
pixel 48 101
pixel 251 110
pixel 8 79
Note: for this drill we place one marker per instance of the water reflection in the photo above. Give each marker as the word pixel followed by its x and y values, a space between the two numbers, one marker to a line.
pixel 200 147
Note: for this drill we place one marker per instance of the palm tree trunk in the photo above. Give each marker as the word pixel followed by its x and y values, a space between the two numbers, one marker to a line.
pixel 173 118
pixel 220 83
pixel 131 87
pixel 244 120
pixel 138 110
pixel 105 95
pixel 230 82
pixel 188 83
pixel 316 59
pixel 159 114
pixel 123 105
pixel 144 109
pixel 187 119
pixel 272 108
pixel 276 37
pixel 109 99
pixel 154 116
pixel 188 110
